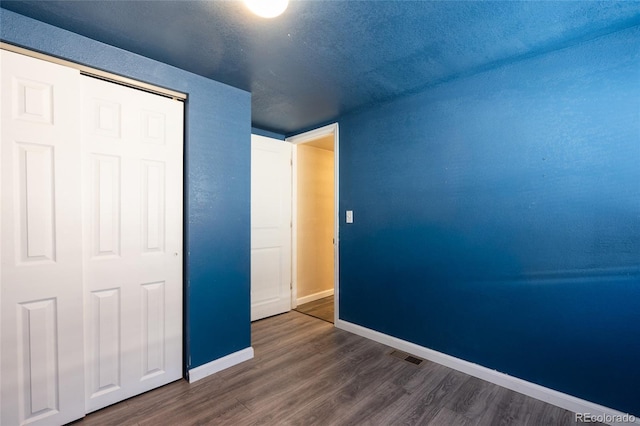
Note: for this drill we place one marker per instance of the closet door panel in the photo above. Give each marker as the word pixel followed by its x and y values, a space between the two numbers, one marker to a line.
pixel 41 353
pixel 132 144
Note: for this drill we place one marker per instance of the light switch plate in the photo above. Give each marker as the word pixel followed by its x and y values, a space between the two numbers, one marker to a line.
pixel 349 216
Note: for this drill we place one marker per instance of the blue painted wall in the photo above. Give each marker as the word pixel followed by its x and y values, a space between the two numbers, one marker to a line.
pixel 217 193
pixel 497 219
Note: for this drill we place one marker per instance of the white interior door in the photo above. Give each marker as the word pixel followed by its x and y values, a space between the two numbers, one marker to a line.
pixel 41 356
pixel 270 227
pixel 132 197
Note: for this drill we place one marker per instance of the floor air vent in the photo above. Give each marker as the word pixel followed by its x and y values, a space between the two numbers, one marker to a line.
pixel 406 357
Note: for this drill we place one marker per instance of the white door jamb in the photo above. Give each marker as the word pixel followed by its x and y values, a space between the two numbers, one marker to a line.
pixel 331 129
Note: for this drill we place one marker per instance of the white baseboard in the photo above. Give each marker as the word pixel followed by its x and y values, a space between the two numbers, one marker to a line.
pixel 559 399
pixel 315 296
pixel 220 364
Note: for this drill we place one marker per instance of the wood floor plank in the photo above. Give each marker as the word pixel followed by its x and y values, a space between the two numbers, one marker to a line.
pixel 473 398
pixel 201 410
pixel 446 417
pixel 364 380
pixel 431 399
pixel 509 408
pixel 363 412
pixel 306 372
pixel 327 369
pixel 425 377
pixel 286 403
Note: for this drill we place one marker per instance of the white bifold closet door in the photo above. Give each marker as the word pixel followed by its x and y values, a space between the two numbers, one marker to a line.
pixel 132 211
pixel 42 357
pixel 91 242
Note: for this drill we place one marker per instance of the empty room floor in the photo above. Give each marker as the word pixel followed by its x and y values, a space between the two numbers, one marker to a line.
pixel 306 372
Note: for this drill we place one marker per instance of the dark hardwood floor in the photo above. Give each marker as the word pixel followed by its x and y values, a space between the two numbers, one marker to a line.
pixel 321 308
pixel 306 372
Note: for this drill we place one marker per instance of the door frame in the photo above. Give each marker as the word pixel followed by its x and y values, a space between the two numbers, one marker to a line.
pixel 330 129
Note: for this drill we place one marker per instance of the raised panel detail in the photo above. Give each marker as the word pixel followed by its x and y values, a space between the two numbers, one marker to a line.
pixel 36 191
pixel 32 101
pixel 153 206
pixel 106 205
pixel 38 359
pixel 263 183
pixel 106 118
pixel 105 361
pixel 153 127
pixel 268 263
pixel 153 326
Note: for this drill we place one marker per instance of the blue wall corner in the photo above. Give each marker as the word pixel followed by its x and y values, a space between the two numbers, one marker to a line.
pixel 217 193
pixel 498 219
pixel 266 133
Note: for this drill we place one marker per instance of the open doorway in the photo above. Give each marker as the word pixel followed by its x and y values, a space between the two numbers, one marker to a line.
pixel 315 224
pixel 279 282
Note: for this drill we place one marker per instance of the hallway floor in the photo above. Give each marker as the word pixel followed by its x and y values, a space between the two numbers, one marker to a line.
pixel 321 309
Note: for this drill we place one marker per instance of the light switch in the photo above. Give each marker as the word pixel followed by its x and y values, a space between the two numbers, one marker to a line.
pixel 349 216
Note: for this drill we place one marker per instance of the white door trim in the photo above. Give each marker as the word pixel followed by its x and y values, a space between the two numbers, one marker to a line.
pixel 331 129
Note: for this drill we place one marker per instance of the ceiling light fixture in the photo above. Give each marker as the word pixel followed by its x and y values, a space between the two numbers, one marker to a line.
pixel 267 8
